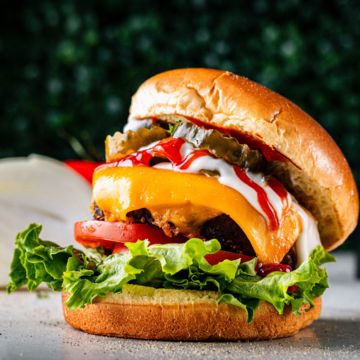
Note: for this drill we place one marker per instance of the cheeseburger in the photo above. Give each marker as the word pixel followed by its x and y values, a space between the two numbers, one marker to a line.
pixel 212 218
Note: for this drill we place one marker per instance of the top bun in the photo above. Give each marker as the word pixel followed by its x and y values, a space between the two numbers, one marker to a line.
pixel 316 172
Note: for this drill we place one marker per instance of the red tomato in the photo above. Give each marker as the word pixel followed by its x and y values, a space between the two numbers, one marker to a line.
pixel 120 248
pixel 223 255
pixel 265 269
pixel 293 289
pixel 96 233
pixel 113 235
pixel 84 168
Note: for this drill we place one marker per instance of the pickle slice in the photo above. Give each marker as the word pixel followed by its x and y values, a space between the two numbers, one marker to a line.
pixel 220 145
pixel 119 145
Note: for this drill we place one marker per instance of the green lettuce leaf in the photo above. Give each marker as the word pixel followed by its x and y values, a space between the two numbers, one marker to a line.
pixel 166 265
pixel 310 278
pixel 36 261
pixel 87 275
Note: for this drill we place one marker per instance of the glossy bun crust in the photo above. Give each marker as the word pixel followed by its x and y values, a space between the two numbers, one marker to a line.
pixel 186 321
pixel 316 171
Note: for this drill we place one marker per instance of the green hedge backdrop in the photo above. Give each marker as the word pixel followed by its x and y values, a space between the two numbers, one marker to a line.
pixel 69 68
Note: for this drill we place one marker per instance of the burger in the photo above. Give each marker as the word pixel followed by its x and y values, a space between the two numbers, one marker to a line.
pixel 212 218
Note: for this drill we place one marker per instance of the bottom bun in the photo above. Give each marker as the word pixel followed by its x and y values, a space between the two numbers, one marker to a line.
pixel 162 314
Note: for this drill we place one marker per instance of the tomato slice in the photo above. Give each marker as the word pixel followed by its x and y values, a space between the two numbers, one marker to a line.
pixel 226 255
pixel 113 235
pixel 120 248
pixel 96 233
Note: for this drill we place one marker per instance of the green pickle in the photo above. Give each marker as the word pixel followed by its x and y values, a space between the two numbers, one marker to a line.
pixel 120 145
pixel 220 145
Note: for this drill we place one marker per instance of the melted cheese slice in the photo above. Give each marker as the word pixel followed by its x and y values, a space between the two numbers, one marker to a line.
pixel 188 218
pixel 118 190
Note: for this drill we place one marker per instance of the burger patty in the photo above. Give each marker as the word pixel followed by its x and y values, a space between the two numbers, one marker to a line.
pixel 144 216
pixel 98 214
pixel 229 233
pixel 141 216
pixel 221 227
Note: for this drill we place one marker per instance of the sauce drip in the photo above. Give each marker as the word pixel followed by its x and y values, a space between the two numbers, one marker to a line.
pixel 192 157
pixel 181 157
pixel 261 269
pixel 265 269
pixel 261 196
pixel 278 188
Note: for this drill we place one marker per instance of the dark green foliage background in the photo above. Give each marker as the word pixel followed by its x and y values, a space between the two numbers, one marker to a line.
pixel 69 67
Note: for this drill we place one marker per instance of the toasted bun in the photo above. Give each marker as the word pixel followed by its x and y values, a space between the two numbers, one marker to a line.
pixel 183 315
pixel 317 172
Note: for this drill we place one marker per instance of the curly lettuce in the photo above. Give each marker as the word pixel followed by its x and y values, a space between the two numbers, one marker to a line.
pixel 87 275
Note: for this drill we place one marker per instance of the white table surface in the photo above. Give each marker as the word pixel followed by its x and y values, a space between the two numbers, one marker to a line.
pixel 33 328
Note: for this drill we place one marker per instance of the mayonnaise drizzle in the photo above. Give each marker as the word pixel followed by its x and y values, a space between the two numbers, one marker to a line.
pixel 135 125
pixel 228 177
pixel 309 237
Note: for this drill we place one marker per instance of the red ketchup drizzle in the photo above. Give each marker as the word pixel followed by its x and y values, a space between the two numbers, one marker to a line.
pixel 261 269
pixel 262 198
pixel 170 149
pixel 293 289
pixel 139 158
pixel 265 269
pixel 278 188
pixel 192 157
pixel 221 255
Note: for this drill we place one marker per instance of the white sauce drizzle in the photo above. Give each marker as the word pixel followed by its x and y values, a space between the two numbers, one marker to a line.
pixel 134 124
pixel 228 177
pixel 309 237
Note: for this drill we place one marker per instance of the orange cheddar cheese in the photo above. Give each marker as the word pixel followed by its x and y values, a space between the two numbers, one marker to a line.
pixel 118 190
